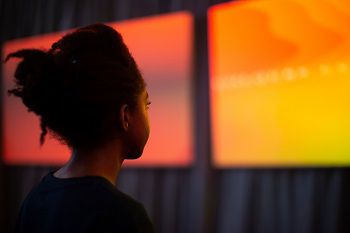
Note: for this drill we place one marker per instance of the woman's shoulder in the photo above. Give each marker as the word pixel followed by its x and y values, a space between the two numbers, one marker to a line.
pixel 95 191
pixel 90 201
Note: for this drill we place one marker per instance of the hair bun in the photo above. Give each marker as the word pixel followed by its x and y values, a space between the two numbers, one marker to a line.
pixel 32 77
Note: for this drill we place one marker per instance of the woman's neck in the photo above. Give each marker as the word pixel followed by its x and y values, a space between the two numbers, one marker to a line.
pixel 104 161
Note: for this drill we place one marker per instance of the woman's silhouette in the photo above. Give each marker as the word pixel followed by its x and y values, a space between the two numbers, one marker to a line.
pixel 88 93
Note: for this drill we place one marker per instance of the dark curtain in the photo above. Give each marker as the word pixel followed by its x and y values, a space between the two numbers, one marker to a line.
pixel 200 198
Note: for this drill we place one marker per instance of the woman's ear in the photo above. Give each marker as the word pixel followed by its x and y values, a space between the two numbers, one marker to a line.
pixel 124 117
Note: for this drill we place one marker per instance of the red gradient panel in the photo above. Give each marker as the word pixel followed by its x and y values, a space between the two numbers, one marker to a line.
pixel 162 47
pixel 279 81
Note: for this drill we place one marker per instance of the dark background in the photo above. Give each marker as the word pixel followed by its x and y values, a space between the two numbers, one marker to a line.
pixel 199 198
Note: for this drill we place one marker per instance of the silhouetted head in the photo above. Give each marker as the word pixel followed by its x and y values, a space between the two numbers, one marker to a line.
pixel 82 88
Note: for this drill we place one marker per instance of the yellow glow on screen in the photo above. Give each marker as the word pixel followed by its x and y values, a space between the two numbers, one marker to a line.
pixel 279 83
pixel 165 61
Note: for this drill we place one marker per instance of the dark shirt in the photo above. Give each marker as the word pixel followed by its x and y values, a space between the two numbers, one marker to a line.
pixel 84 204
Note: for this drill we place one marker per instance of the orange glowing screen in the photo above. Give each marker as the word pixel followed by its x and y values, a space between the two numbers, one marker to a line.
pixel 162 47
pixel 279 83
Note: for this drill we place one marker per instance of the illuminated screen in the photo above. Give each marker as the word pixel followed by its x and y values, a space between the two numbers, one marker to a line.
pixel 280 83
pixel 162 47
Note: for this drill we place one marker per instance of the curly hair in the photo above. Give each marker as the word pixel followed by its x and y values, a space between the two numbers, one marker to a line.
pixel 78 86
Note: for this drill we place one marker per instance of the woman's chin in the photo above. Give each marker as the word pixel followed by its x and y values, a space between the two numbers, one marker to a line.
pixel 133 156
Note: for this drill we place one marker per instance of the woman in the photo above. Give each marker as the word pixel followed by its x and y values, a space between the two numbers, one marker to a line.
pixel 88 93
